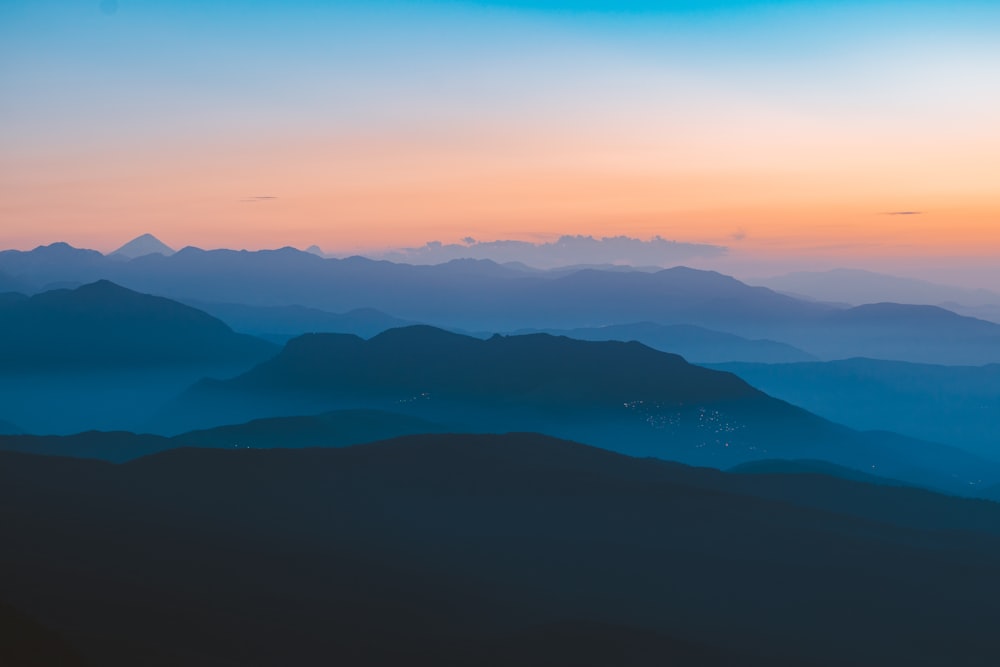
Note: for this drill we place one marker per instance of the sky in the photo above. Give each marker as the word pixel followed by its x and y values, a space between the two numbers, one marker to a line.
pixel 794 134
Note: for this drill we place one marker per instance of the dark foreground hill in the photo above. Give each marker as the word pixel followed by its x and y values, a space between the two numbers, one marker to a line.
pixel 622 396
pixel 491 550
pixel 332 429
pixel 106 326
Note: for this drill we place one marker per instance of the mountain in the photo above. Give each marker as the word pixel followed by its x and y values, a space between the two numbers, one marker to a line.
pixel 103 325
pixel 9 284
pixel 147 244
pixel 623 396
pixel 858 287
pixel 55 263
pixel 493 550
pixel 696 344
pixel 957 405
pixel 475 295
pixel 284 322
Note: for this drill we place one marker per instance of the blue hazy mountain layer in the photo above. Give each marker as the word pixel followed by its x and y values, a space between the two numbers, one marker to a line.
pixel 104 357
pixel 479 295
pixel 493 550
pixel 958 405
pixel 623 396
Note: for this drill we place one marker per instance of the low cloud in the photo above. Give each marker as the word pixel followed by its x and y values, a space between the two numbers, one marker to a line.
pixel 905 213
pixel 260 198
pixel 566 251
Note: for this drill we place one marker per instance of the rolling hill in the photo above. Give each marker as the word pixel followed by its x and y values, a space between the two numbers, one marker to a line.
pixel 446 550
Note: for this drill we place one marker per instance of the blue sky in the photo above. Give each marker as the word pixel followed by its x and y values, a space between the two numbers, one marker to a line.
pixel 790 125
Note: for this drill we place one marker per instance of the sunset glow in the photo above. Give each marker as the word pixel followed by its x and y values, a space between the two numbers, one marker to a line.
pixel 781 130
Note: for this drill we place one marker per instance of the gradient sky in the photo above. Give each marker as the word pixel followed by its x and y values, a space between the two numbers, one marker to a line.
pixel 789 131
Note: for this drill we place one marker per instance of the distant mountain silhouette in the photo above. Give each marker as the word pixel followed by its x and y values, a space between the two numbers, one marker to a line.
pixel 858 287
pixel 480 295
pixel 475 295
pixel 957 405
pixel 104 325
pixel 624 396
pixel 147 244
pixel 494 550
pixel 696 344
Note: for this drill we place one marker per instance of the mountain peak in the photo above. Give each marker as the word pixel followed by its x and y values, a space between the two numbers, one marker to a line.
pixel 147 244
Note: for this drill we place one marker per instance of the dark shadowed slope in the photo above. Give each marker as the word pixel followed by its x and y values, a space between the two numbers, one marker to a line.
pixel 107 326
pixel 957 405
pixel 696 344
pixel 624 396
pixel 442 549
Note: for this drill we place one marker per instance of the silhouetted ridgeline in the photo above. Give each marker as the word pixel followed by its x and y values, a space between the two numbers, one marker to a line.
pixel 515 549
pixel 622 396
pixel 106 326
